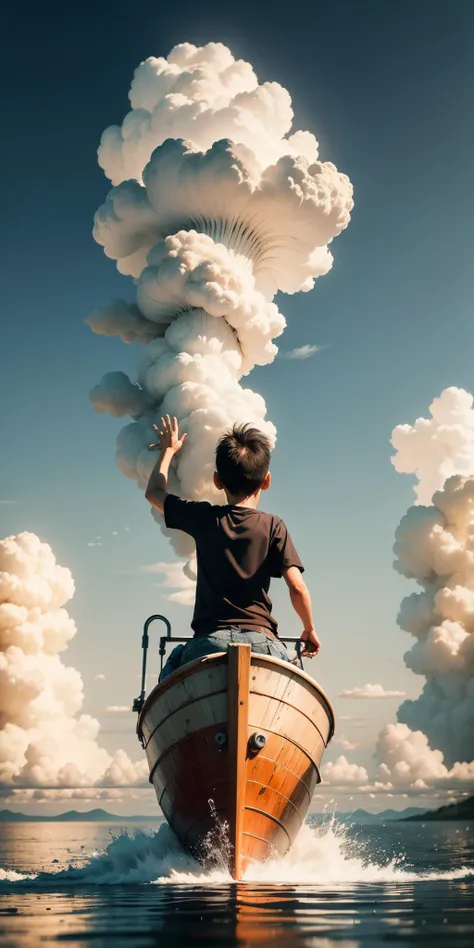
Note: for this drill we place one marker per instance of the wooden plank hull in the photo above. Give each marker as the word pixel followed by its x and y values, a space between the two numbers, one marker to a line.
pixel 198 728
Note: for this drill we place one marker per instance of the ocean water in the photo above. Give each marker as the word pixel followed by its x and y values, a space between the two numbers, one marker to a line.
pixel 88 884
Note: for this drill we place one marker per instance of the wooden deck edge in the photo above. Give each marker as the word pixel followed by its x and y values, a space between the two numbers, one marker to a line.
pixel 218 658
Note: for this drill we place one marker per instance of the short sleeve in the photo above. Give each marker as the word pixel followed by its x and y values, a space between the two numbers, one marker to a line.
pixel 187 515
pixel 282 551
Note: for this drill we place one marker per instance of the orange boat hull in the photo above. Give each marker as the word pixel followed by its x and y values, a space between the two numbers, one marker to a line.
pixel 198 728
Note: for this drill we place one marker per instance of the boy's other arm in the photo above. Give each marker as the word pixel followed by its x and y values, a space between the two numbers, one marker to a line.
pixel 301 602
pixel 170 443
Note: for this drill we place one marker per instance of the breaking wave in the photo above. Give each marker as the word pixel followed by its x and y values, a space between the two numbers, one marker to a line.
pixel 323 855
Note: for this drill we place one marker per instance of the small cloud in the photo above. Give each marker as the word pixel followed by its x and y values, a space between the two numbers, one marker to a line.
pixel 99 677
pixel 31 796
pixel 343 773
pixel 345 744
pixel 117 709
pixel 371 691
pixel 350 717
pixel 302 352
pixel 8 502
pixel 176 578
pixel 115 533
pixel 78 793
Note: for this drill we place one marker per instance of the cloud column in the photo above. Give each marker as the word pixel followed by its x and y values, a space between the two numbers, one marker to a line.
pixel 215 207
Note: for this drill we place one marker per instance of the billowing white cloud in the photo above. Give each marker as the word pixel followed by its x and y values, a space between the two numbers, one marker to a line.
pixel 433 547
pixel 99 677
pixel 119 318
pixel 45 740
pixel 407 766
pixel 201 94
pixel 371 691
pixel 408 762
pixel 431 748
pixel 433 743
pixel 117 709
pixel 435 448
pixel 341 773
pixel 116 395
pixel 216 206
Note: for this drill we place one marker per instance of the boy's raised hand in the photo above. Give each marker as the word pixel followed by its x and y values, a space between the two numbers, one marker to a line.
pixel 170 438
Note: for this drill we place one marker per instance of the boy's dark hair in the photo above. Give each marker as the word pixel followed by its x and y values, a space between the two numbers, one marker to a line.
pixel 243 459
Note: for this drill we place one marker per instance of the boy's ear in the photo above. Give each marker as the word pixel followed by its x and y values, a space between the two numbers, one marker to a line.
pixel 217 481
pixel 266 481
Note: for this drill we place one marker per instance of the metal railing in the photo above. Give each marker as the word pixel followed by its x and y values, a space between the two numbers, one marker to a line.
pixel 163 642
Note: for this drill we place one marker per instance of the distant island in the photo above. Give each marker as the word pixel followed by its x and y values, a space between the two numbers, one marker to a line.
pixel 74 816
pixel 102 816
pixel 463 810
pixel 363 816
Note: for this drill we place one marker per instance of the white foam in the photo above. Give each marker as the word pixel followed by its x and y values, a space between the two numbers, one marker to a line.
pixel 325 855
pixel 10 875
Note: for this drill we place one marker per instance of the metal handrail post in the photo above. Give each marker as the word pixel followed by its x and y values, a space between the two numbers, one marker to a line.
pixel 139 702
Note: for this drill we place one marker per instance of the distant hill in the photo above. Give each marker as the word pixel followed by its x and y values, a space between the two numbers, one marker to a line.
pixel 72 816
pixel 363 816
pixel 398 814
pixel 464 810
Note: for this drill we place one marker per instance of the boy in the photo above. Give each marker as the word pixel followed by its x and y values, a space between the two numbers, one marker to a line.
pixel 238 547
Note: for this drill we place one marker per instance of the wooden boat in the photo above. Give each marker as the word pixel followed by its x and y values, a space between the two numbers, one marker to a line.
pixel 238 737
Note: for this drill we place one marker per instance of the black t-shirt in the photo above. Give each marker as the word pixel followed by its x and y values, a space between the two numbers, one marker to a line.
pixel 238 549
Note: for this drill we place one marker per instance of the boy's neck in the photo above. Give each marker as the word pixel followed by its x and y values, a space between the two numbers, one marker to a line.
pixel 237 501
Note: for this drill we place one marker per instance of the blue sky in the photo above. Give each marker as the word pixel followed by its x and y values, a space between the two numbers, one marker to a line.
pixel 388 90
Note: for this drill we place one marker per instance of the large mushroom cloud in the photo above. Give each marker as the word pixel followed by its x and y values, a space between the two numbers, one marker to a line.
pixel 215 207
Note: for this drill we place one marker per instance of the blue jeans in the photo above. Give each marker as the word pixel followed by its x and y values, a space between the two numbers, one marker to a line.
pixel 218 642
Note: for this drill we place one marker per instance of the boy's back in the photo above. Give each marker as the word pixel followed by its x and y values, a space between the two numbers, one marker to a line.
pixel 239 549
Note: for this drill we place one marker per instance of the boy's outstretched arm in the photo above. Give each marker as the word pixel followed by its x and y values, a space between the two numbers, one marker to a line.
pixel 301 602
pixel 170 443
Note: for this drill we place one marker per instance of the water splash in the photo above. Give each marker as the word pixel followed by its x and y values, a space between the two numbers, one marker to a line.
pixel 323 855
pixel 128 859
pixel 328 855
pixel 215 849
